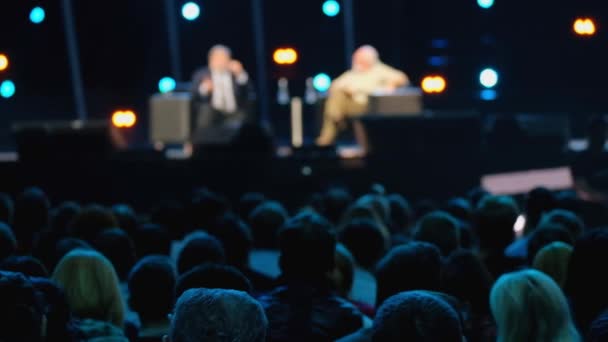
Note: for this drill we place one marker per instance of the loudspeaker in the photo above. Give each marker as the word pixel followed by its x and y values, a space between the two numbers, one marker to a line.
pixel 407 101
pixel 170 118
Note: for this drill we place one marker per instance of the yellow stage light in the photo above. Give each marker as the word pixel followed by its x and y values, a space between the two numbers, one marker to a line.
pixel 434 84
pixel 285 56
pixel 124 119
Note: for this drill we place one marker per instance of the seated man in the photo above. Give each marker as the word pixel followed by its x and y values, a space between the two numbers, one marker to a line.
pixel 220 92
pixel 349 93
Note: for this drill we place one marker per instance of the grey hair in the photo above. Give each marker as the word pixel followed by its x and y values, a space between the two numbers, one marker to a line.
pixel 218 315
pixel 218 48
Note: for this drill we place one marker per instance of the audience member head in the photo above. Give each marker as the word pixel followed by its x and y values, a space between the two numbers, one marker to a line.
pixel 416 316
pixel 91 286
pixel 544 235
pixel 460 208
pixel 118 247
pixel 365 58
pixel 465 277
pixel 495 217
pixel 213 276
pixel 206 208
pixel 31 216
pixel 62 216
pixel 22 310
pixel 199 248
pixel 379 204
pixel 529 306
pixel 152 239
pixel 219 58
pixel 27 265
pixel 553 260
pixel 8 242
pixel 65 246
pixel 265 222
pixel 475 196
pixel 413 266
pixel 401 214
pixel 152 288
pixel 7 208
pixel 59 323
pixel 440 229
pixel 584 287
pixel 307 249
pixel 236 238
pixel 248 202
pixel 568 219
pixel 538 202
pixel 364 240
pixel 217 315
pixel 173 216
pixel 335 203
pixel 599 329
pixel 344 271
pixel 90 221
pixel 126 217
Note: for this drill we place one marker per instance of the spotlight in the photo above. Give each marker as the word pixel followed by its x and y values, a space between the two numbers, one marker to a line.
pixel 37 15
pixel 331 8
pixel 488 95
pixel 584 27
pixel 124 119
pixel 434 84
pixel 285 56
pixel 166 85
pixel 191 11
pixel 485 4
pixel 4 63
pixel 7 89
pixel 321 82
pixel 488 78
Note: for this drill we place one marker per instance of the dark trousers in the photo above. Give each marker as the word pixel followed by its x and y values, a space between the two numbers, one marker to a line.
pixel 213 126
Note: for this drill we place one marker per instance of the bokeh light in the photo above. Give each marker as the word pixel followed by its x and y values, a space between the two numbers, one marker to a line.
pixel 584 27
pixel 191 11
pixel 285 56
pixel 166 85
pixel 124 119
pixel 321 82
pixel 434 84
pixel 488 95
pixel 7 89
pixel 37 15
pixel 485 4
pixel 4 62
pixel 331 8
pixel 488 78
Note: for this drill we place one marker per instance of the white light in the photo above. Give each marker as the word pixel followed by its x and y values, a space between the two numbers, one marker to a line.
pixel 519 226
pixel 488 78
pixel 485 4
pixel 191 11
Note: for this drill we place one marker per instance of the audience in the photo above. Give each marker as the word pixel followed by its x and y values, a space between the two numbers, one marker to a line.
pixel 544 235
pixel 91 221
pixel 265 221
pixel 199 248
pixel 118 247
pixel 22 316
pixel 553 260
pixel 529 306
pixel 152 239
pixel 8 242
pixel 26 265
pixel 31 217
pixel 440 229
pixel 7 208
pixel 212 276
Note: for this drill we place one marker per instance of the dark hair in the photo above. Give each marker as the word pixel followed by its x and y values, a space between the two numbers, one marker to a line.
pixel 335 203
pixel 126 217
pixel 7 208
pixel 31 217
pixel 236 238
pixel 538 202
pixel 152 239
pixel 345 270
pixel 8 242
pixel 62 216
pixel 199 248
pixel 413 266
pixel 117 246
pixel 568 219
pixel 265 222
pixel 212 276
pixel 416 316
pixel 440 229
pixel 22 309
pixel 206 208
pixel 364 240
pixel 401 214
pixel 59 326
pixel 544 235
pixel 172 216
pixel 27 265
pixel 465 277
pixel 152 288
pixel 248 202
pixel 585 288
pixel 494 218
pixel 307 247
pixel 90 221
pixel 460 208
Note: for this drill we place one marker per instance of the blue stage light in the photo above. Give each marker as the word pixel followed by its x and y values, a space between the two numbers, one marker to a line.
pixel 166 85
pixel 37 15
pixel 321 82
pixel 488 78
pixel 7 89
pixel 331 8
pixel 191 11
pixel 485 4
pixel 488 95
pixel 438 61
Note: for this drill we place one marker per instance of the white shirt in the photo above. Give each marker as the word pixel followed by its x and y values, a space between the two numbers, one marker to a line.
pixel 223 97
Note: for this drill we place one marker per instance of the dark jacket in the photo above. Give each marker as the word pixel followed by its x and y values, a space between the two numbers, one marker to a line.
pixel 242 93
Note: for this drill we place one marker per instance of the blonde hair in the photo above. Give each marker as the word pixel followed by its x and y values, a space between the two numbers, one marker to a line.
pixel 553 260
pixel 529 306
pixel 91 286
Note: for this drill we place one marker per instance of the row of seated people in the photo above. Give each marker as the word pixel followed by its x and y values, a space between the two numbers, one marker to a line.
pixel 371 268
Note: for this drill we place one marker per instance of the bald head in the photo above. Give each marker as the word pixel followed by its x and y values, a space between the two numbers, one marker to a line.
pixel 365 58
pixel 219 57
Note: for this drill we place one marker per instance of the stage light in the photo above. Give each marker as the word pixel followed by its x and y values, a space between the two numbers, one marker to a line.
pixel 285 56
pixel 7 89
pixel 191 11
pixel 124 119
pixel 438 61
pixel 331 8
pixel 488 95
pixel 37 15
pixel 4 63
pixel 321 82
pixel 434 84
pixel 488 78
pixel 485 4
pixel 166 85
pixel 584 27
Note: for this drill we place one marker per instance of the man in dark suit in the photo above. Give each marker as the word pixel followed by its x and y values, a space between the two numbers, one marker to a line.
pixel 220 94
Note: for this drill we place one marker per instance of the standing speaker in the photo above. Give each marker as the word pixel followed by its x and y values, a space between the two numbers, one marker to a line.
pixel 170 118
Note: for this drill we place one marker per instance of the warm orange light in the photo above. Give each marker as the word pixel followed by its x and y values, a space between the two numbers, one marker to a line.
pixel 124 119
pixel 3 62
pixel 584 27
pixel 285 56
pixel 434 84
